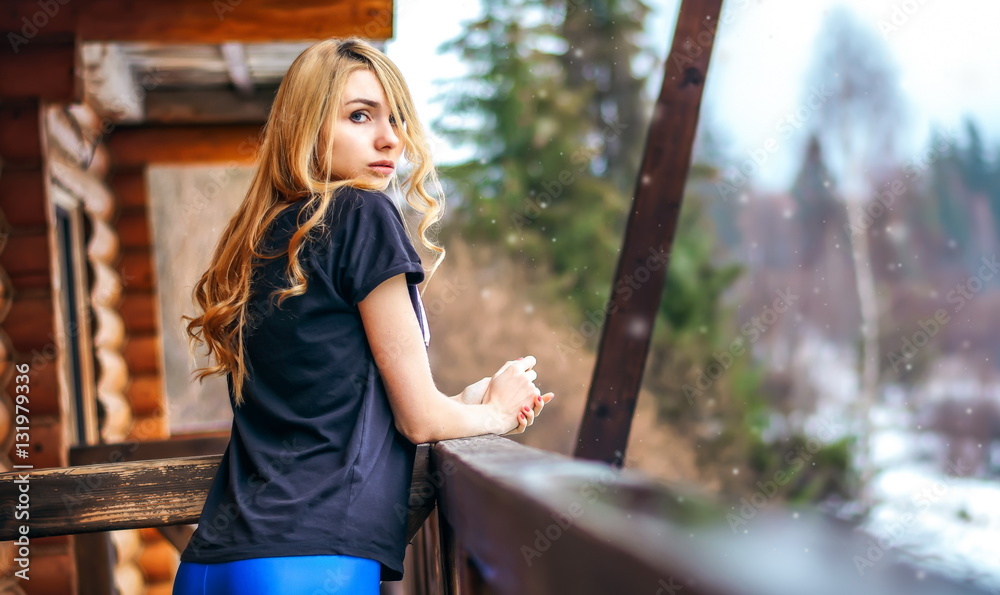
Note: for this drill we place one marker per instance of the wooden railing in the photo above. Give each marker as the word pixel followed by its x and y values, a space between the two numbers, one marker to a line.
pixel 137 492
pixel 488 515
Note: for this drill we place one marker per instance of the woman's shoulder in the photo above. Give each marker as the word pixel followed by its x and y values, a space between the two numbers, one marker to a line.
pixel 362 195
pixel 363 203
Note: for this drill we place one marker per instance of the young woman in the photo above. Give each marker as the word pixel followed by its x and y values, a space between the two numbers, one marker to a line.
pixel 311 310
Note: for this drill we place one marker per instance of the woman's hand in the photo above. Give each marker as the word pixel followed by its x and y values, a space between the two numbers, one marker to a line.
pixel 513 394
pixel 474 393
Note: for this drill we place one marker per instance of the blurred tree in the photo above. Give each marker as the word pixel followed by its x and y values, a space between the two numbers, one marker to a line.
pixel 602 38
pixel 978 195
pixel 858 118
pixel 817 209
pixel 953 219
pixel 549 181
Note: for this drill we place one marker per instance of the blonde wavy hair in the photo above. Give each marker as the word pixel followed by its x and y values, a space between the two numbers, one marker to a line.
pixel 292 162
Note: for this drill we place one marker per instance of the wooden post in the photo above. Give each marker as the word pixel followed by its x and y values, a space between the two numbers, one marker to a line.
pixel 644 257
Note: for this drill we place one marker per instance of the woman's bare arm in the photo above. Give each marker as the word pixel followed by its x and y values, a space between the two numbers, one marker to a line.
pixel 422 413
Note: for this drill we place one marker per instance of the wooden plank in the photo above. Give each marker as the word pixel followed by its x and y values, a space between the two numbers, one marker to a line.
pixel 149 426
pixel 24 22
pixel 46 444
pixel 22 197
pixel 527 490
pixel 143 493
pixel 95 561
pixel 128 184
pixel 538 523
pixel 26 258
pixel 30 324
pixel 423 491
pixel 43 381
pixel 20 135
pixel 125 452
pixel 134 229
pixel 136 269
pixel 74 135
pixel 138 311
pixel 207 106
pixel 110 496
pixel 142 354
pixel 132 146
pixel 422 565
pixel 46 71
pixel 51 573
pixel 644 257
pixel 219 21
pixel 236 65
pixel 116 95
pixel 145 395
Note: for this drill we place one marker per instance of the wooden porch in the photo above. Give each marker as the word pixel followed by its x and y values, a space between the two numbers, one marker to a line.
pixel 79 326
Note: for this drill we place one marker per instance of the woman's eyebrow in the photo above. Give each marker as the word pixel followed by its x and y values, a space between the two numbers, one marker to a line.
pixel 367 102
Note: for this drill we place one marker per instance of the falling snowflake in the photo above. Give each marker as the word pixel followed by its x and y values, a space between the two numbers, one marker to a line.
pixel 637 328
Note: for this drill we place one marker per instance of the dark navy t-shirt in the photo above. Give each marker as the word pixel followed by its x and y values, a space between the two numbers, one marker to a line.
pixel 315 464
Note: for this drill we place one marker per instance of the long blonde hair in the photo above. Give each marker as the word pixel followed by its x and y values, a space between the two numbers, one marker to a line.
pixel 291 168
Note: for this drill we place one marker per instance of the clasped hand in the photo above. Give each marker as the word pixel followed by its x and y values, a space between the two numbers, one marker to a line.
pixel 512 392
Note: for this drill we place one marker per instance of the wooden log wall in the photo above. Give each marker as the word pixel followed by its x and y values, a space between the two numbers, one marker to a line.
pixel 30 76
pixel 77 163
pixel 52 153
pixel 138 305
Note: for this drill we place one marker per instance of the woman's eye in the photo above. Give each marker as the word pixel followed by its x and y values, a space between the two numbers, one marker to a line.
pixel 392 120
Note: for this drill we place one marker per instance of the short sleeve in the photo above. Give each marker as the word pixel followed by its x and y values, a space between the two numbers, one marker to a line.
pixel 369 245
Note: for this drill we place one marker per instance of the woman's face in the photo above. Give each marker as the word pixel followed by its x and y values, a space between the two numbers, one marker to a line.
pixel 364 135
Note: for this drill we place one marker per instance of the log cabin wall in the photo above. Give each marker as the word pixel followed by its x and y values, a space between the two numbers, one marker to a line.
pixel 33 74
pixel 78 166
pixel 78 299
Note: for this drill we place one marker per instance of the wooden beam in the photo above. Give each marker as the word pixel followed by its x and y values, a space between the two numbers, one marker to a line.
pixel 26 258
pixel 220 21
pixel 536 522
pixel 139 311
pixel 145 493
pixel 22 197
pixel 111 496
pixel 644 257
pixel 135 266
pixel 142 353
pixel 236 64
pixel 142 145
pixel 30 322
pixel 122 452
pixel 95 561
pixel 24 22
pixel 208 106
pixel 111 88
pixel 47 71
pixel 20 135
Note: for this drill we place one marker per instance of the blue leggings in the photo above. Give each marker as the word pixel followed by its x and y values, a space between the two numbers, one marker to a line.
pixel 291 575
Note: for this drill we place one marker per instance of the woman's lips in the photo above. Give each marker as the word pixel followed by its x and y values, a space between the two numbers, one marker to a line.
pixel 385 170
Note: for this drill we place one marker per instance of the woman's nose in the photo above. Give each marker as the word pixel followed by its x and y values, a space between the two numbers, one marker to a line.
pixel 387 134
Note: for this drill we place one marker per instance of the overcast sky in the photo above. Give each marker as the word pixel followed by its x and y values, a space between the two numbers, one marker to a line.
pixel 948 54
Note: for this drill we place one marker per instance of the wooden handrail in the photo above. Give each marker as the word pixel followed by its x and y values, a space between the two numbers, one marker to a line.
pixel 536 522
pixel 136 494
pixel 529 521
